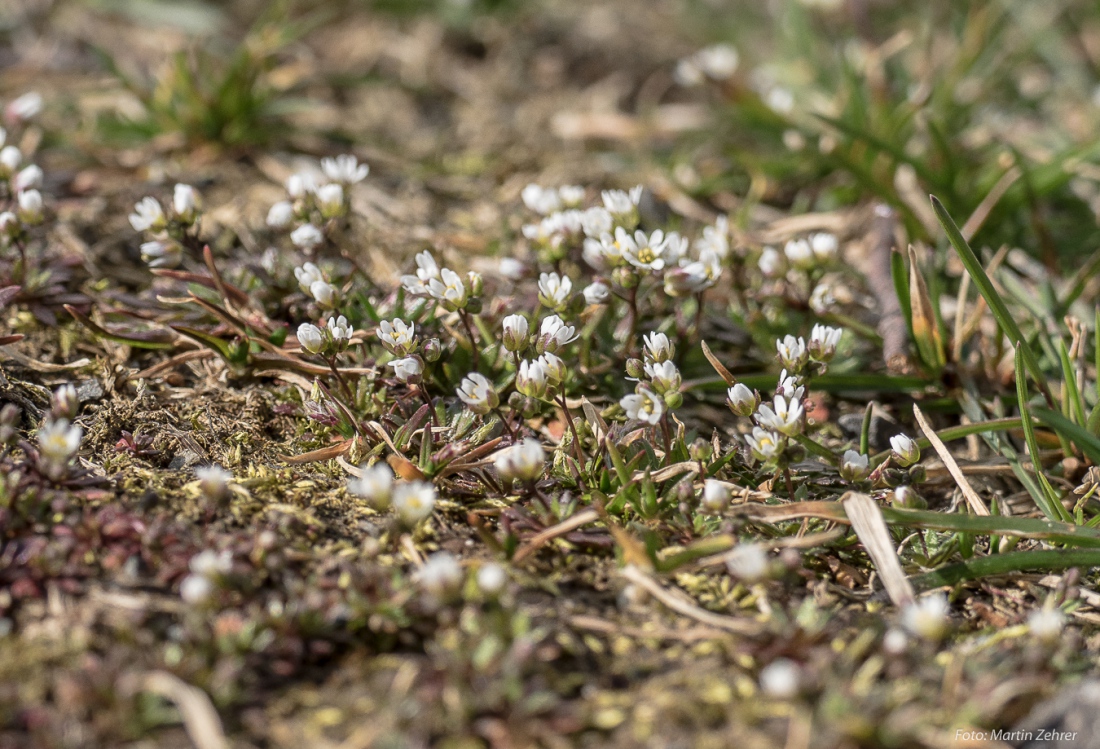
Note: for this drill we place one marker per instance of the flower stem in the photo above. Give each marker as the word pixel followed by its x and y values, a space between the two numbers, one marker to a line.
pixel 340 379
pixel 577 453
pixel 465 317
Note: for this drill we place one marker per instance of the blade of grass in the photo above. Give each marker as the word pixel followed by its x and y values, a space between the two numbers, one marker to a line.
pixel 1046 560
pixel 1050 505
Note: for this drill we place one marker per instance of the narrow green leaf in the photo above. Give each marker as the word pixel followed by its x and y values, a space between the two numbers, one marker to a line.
pixel 1050 503
pixel 151 339
pixel 1089 444
pixel 1000 564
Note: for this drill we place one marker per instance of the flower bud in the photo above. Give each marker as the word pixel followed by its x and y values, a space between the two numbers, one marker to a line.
pixel 311 338
pixel 907 499
pixel 515 333
pixel 700 450
pixel 30 207
pixel 635 369
pixel 854 466
pixel 185 204
pixel 330 200
pixel 674 400
pixel 64 404
pixel 407 370
pixel 214 482
pixel 742 401
pixel 716 496
pixel 432 350
pixel 531 380
pixel 906 450
pixel 476 283
pixel 524 461
pixel 625 276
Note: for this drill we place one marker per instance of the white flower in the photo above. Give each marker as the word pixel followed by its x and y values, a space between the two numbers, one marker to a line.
pixel 330 199
pixel 792 352
pixel 10 159
pixel 540 199
pixel 213 481
pixel 478 393
pixel 212 564
pixel 854 466
pixel 823 341
pixel 742 401
pixel 196 590
pixel 643 406
pixel 824 246
pixel 658 348
pixel 448 289
pixel 426 270
pixel 491 579
pixel 596 293
pixel 571 195
pixel 413 501
pixel 407 369
pixel 23 108
pixel 771 262
pixel 30 206
pixel 554 290
pixel 515 333
pixel 307 275
pixel 531 380
pixel 340 329
pixel 301 184
pixel 524 461
pixel 747 562
pixel 147 215
pixel 799 253
pixel 664 376
pixel 280 215
pixel 441 576
pixel 604 252
pixel 621 203
pixel 555 368
pixel 374 484
pixel 397 336
pixel 906 450
pixel 58 441
pixel 344 169
pixel 822 299
pixel 763 444
pixel 511 268
pixel 311 338
pixel 596 221
pixel 185 202
pixel 642 251
pixel 307 236
pixel 781 679
pixel 28 177
pixel 895 641
pixel 785 419
pixel 324 293
pixel 718 61
pixel 161 254
pixel 780 99
pixel 927 617
pixel 790 386
pixel 1046 624
pixel 554 334
pixel 716 496
pixel 9 224
pixel 687 72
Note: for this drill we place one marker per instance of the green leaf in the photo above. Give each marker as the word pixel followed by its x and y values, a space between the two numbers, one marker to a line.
pixel 151 339
pixel 1046 560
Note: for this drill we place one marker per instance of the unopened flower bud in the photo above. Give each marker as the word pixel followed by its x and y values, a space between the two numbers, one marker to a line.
pixel 854 466
pixel 906 451
pixel 214 482
pixel 476 283
pixel 906 498
pixel 432 350
pixel 635 369
pixel 516 329
pixel 716 496
pixel 30 207
pixel 700 449
pixel 64 404
pixel 742 401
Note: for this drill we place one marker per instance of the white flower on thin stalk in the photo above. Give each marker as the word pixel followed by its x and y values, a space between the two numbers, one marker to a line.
pixel 301 184
pixel 344 169
pixel 324 293
pixel 718 61
pixel 213 482
pixel 541 200
pixel 771 263
pixel 927 617
pixel 491 579
pixel 307 237
pixel 280 215
pixel 781 679
pixel 786 418
pixel 596 293
pixel 28 177
pixel 644 406
pixel 159 254
pixel 1046 624
pixel 374 484
pixel 525 461
pixel 448 289
pixel 742 400
pixel 511 269
pixel 824 246
pixel 646 252
pixel 554 335
pixel 693 277
pixel 532 379
pixel 340 330
pixel 407 370
pixel 603 253
pixel 597 221
pixel 799 254
pixel 148 215
pixel 764 445
pixel 822 299
pixel 657 347
pixel 196 590
pixel 515 332
pixel 330 199
pixel 30 206
pixel 554 290
pixel 413 501
pixel 663 376
pixel 790 386
pixel 620 203
pixel 23 108
pixel 311 338
pixel 571 195
pixel 10 159
pixel 823 342
pixel 792 353
pixel 307 275
pixel 716 496
pixel 58 441
pixel 398 336
pixel 9 224
pixel 854 466
pixel 906 450
pixel 555 368
pixel 185 203
pixel 441 576
pixel 478 393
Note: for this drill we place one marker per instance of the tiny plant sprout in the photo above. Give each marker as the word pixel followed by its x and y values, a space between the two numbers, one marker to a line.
pixel 1046 624
pixel 375 485
pixel 716 496
pixel 781 679
pixel 854 466
pixel 927 617
pixel 524 461
pixel 643 406
pixel 413 501
pixel 742 401
pixel 491 579
pixel 213 482
pixel 441 576
pixel 906 451
pixel 747 562
pixel 478 393
pixel 58 441
pixel 515 333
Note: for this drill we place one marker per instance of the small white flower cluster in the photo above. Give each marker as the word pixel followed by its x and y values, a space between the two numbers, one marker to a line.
pixel 718 62
pixel 166 232
pixel 524 461
pixel 412 501
pixel 314 283
pixel 327 341
pixel 658 381
pixel 20 181
pixel 443 285
pixel 314 199
pixel 208 571
pixel 801 259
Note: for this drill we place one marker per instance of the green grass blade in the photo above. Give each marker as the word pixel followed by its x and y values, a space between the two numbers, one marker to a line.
pixel 1089 444
pixel 1046 560
pixel 1049 504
